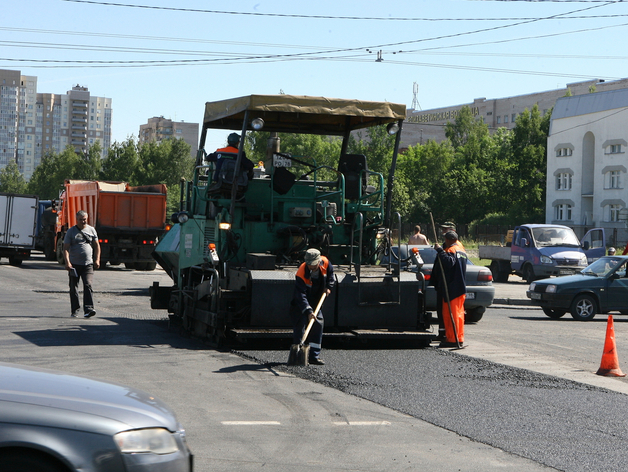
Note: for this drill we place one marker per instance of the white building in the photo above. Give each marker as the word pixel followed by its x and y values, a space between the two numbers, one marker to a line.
pixel 587 164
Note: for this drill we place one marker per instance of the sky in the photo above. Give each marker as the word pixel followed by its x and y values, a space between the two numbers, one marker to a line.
pixel 167 58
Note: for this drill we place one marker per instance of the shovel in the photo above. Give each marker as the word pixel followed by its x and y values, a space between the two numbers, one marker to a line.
pixel 299 353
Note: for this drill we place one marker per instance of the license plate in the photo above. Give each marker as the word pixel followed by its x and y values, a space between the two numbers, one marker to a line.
pixel 566 272
pixel 470 296
pixel 535 296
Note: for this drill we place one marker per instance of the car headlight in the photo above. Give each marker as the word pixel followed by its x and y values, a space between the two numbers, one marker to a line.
pixel 546 260
pixel 550 289
pixel 584 261
pixel 532 286
pixel 154 440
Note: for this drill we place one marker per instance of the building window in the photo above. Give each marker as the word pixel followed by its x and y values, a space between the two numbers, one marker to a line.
pixel 563 212
pixel 614 149
pixel 564 152
pixel 613 179
pixel 563 181
pixel 613 215
pixel 499 120
pixel 505 118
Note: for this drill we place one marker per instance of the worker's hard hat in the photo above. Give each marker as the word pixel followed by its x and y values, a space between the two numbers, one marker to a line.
pixel 233 139
pixel 611 250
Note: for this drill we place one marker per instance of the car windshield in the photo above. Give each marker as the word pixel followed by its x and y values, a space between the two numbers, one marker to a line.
pixel 604 266
pixel 555 236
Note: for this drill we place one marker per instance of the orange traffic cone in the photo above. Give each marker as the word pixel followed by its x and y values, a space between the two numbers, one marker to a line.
pixel 610 363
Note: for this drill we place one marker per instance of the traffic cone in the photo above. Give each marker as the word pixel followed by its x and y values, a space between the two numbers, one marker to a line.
pixel 610 363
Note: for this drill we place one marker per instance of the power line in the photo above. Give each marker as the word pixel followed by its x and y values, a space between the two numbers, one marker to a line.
pixel 329 17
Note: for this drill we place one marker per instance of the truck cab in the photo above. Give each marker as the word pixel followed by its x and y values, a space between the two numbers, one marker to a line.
pixel 543 250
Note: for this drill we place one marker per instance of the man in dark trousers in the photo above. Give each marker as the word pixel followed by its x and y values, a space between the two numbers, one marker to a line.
pixel 450 270
pixel 81 253
pixel 313 278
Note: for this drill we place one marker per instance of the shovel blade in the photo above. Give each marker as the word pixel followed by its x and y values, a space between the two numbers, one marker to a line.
pixel 299 354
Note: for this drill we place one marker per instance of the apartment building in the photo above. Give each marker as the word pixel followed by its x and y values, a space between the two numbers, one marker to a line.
pixel 423 125
pixel 587 167
pixel 32 124
pixel 159 128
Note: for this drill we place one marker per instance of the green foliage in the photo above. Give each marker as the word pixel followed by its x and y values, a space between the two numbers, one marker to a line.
pixel 11 180
pixel 474 173
pixel 48 177
pixel 152 163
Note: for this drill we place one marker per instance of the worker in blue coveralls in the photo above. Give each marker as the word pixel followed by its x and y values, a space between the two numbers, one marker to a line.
pixel 313 278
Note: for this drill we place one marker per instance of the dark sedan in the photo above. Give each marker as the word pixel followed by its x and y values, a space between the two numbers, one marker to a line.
pixel 479 279
pixel 55 422
pixel 601 287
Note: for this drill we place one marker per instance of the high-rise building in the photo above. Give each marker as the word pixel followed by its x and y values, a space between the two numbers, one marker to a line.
pixel 33 124
pixel 18 95
pixel 160 128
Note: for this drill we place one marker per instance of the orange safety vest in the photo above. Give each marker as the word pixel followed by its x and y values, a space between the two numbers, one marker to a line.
pixel 322 267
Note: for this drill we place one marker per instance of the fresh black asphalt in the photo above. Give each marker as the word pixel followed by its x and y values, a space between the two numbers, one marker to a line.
pixel 559 423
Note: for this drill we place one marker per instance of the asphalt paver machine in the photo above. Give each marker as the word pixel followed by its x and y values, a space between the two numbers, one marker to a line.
pixel 236 243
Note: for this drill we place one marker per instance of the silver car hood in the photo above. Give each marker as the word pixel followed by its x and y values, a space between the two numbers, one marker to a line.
pixel 48 398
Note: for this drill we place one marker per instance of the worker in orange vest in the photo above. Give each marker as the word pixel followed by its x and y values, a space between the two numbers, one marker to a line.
pixel 450 269
pixel 233 143
pixel 313 278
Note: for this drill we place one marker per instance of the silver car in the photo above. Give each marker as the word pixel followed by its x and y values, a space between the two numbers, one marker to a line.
pixel 55 422
pixel 479 280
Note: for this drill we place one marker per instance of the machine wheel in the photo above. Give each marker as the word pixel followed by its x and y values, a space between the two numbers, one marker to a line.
pixel 32 462
pixel 474 315
pixel 528 274
pixel 583 308
pixel 114 263
pixel 130 265
pixel 150 265
pixel 554 313
pixel 14 261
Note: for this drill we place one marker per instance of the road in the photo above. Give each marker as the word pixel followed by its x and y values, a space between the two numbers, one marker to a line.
pixel 367 409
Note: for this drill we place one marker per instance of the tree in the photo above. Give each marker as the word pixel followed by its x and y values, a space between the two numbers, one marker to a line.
pixel 11 180
pixel 121 162
pixel 529 165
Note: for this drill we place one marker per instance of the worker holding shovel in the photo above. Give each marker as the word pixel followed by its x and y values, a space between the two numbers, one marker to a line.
pixel 451 268
pixel 314 279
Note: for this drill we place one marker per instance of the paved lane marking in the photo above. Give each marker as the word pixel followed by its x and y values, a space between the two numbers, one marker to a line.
pixel 361 423
pixel 250 423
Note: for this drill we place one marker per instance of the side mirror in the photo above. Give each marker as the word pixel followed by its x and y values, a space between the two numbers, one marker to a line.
pixel 524 242
pixel 586 245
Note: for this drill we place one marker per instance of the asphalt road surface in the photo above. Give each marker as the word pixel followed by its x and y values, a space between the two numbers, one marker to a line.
pixel 488 407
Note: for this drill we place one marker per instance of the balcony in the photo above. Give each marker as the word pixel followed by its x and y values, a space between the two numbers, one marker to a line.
pixel 79 104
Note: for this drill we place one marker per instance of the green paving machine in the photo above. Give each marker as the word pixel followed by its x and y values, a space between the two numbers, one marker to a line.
pixel 238 239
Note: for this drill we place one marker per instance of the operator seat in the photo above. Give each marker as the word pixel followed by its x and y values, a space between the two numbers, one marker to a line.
pixel 223 175
pixel 350 166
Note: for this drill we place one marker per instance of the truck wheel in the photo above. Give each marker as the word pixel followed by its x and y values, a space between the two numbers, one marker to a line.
pixel 150 266
pixel 528 274
pixel 474 315
pixel 554 313
pixel 14 261
pixel 60 249
pixel 130 265
pixel 583 308
pixel 49 248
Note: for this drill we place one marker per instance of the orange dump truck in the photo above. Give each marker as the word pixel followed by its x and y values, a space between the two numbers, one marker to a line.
pixel 129 220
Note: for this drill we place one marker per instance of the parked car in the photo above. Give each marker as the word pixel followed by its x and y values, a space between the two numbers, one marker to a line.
pixel 54 422
pixel 601 287
pixel 480 289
